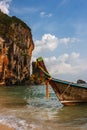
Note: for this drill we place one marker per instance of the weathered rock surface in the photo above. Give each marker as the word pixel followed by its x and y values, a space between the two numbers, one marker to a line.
pixel 16 46
pixel 80 81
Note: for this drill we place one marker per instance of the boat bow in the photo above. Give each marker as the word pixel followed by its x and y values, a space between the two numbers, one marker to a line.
pixel 67 92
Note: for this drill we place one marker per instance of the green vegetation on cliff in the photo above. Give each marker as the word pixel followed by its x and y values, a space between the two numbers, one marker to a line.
pixel 16 45
pixel 6 21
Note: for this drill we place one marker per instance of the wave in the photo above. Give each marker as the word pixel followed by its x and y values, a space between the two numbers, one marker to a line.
pixel 16 123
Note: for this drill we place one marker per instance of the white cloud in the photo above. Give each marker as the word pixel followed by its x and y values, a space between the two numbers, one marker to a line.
pixel 50 42
pixel 67 40
pixel 5 5
pixel 44 14
pixel 75 55
pixel 66 65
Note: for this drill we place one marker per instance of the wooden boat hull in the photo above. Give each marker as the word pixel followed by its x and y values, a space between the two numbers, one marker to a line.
pixel 68 93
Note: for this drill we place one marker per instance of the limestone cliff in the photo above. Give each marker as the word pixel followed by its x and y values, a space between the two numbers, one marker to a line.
pixel 16 46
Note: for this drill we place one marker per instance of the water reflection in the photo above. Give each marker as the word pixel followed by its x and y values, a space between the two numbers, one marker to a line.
pixel 11 97
pixel 72 115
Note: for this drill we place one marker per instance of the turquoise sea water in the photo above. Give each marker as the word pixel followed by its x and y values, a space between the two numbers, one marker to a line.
pixel 26 108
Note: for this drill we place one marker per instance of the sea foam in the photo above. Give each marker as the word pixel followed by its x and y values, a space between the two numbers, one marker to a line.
pixel 16 123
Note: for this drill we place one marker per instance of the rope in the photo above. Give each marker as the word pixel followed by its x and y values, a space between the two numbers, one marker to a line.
pixel 65 90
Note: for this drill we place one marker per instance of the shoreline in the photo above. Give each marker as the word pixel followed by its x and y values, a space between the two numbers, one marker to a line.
pixel 5 127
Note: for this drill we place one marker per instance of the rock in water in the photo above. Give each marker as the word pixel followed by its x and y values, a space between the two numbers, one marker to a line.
pixel 16 46
pixel 80 81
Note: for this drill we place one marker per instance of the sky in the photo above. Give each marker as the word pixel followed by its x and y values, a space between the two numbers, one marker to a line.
pixel 59 32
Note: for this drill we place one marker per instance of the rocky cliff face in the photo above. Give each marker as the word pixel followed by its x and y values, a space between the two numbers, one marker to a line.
pixel 16 46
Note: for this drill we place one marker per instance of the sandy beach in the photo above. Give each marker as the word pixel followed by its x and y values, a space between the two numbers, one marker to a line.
pixel 5 127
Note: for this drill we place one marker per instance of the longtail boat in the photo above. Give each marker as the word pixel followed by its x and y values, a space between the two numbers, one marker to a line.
pixel 68 93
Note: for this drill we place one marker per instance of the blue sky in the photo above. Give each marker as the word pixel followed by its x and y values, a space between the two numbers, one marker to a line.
pixel 59 30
